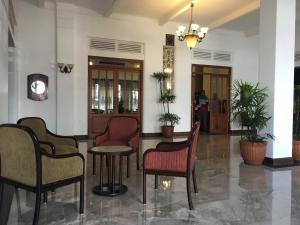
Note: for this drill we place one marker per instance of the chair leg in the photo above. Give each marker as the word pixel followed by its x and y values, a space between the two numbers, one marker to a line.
pixel 138 159
pixel 128 166
pixel 188 189
pixel 45 200
pixel 81 204
pixel 144 187
pixel 156 182
pixel 94 164
pixel 195 181
pixel 37 208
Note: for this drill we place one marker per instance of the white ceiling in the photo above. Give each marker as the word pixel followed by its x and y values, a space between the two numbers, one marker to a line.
pixel 239 15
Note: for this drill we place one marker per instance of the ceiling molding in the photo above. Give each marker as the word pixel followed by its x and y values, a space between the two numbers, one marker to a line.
pixel 40 3
pixel 234 14
pixel 111 8
pixel 175 12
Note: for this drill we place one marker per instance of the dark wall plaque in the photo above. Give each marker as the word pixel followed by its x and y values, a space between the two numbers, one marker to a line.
pixel 37 87
pixel 170 40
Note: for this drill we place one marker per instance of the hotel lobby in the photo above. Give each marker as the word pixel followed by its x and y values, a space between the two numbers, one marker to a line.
pixel 100 102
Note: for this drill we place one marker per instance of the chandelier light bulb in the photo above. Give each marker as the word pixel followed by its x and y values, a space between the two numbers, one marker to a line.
pixel 204 30
pixel 194 26
pixel 201 35
pixel 178 33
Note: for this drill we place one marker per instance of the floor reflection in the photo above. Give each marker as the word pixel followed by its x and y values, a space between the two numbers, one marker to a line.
pixel 230 193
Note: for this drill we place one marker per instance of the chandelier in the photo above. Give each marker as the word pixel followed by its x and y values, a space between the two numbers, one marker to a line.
pixel 194 34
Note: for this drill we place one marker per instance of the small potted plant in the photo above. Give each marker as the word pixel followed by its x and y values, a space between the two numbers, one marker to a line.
pixel 249 110
pixel 167 97
pixel 296 124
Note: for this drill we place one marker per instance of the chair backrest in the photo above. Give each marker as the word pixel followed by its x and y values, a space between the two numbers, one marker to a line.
pixel 19 154
pixel 193 142
pixel 36 124
pixel 122 127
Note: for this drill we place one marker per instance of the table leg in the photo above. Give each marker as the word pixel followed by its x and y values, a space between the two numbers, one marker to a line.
pixel 101 172
pixel 108 169
pixel 120 171
pixel 113 173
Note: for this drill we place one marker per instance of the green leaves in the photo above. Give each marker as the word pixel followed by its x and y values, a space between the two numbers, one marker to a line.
pixel 160 76
pixel 169 118
pixel 249 109
pixel 167 97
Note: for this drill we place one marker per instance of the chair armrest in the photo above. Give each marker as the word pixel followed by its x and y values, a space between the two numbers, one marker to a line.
pixel 47 146
pixel 134 141
pixel 171 145
pixel 62 156
pixel 100 138
pixel 61 140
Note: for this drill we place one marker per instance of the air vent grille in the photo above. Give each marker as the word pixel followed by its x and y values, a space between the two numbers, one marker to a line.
pixel 205 54
pixel 116 45
pixel 297 56
pixel 202 54
pixel 103 44
pixel 132 47
pixel 222 56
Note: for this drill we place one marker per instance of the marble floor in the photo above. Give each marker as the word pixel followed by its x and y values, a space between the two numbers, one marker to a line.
pixel 230 193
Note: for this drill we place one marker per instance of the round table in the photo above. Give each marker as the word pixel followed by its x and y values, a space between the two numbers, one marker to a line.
pixel 111 188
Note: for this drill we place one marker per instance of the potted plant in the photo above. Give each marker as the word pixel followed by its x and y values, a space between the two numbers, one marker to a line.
pixel 296 124
pixel 249 110
pixel 167 97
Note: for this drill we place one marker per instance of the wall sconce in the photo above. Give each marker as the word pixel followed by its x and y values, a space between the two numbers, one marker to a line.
pixel 65 68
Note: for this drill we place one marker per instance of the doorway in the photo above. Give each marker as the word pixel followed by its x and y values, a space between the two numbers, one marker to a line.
pixel 114 88
pixel 215 81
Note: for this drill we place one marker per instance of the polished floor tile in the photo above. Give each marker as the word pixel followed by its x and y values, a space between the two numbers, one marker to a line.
pixel 230 193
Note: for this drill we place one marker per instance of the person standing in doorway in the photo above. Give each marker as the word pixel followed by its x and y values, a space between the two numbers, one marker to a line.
pixel 203 110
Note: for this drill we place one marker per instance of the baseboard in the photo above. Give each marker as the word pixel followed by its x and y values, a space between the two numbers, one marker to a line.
pixel 235 132
pixel 176 134
pixel 81 137
pixel 279 162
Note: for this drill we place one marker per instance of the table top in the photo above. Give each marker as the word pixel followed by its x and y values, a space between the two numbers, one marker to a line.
pixel 112 150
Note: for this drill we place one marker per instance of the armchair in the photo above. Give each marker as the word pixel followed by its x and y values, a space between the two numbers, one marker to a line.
pixel 52 143
pixel 173 159
pixel 25 166
pixel 120 130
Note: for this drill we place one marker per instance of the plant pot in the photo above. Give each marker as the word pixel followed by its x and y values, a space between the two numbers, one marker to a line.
pixel 296 150
pixel 253 153
pixel 167 131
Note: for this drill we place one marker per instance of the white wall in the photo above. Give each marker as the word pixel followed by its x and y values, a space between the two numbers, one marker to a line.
pixel 38 54
pixel 3 65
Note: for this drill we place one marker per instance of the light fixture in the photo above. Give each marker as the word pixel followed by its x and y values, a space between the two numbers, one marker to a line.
pixel 194 34
pixel 65 68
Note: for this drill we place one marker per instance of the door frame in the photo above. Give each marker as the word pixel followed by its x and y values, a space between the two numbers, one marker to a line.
pixel 193 90
pixel 116 68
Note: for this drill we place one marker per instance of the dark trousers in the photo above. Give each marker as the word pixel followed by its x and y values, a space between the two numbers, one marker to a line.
pixel 202 118
pixel 6 197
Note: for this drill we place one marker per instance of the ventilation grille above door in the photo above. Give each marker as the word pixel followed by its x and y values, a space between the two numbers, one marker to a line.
pixel 113 45
pixel 204 54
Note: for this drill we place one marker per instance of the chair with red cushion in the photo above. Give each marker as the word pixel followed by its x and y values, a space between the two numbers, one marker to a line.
pixel 120 130
pixel 173 159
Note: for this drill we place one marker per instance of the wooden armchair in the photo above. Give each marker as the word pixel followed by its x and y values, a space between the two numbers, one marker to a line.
pixel 173 159
pixel 120 130
pixel 24 165
pixel 53 143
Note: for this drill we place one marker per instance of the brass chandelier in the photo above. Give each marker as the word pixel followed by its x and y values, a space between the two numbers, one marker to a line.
pixel 194 34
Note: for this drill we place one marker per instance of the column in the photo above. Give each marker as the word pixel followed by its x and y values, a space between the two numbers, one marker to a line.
pixel 276 71
pixel 65 81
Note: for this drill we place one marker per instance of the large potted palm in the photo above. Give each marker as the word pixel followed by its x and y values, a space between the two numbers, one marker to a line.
pixel 296 124
pixel 249 110
pixel 167 97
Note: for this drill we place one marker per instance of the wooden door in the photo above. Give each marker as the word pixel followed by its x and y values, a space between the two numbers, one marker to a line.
pixel 112 92
pixel 215 81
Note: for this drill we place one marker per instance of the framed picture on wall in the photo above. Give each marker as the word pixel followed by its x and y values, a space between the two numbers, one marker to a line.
pixel 37 87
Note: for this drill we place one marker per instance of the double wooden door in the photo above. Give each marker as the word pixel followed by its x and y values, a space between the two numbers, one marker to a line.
pixel 112 91
pixel 215 81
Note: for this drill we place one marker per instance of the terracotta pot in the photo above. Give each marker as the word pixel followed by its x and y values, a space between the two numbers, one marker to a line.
pixel 167 131
pixel 253 153
pixel 296 150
